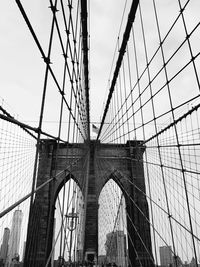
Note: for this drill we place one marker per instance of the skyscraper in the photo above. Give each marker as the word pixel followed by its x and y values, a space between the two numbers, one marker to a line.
pixel 166 256
pixel 4 245
pixel 24 250
pixel 116 248
pixel 13 249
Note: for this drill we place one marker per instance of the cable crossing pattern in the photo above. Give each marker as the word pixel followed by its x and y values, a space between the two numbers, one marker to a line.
pixel 131 195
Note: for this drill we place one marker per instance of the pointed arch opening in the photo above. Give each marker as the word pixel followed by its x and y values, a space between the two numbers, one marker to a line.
pixel 112 226
pixel 68 233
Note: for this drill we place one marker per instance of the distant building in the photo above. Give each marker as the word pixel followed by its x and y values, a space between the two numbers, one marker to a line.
pixel 4 245
pixel 13 249
pixel 101 260
pixel 186 264
pixel 193 262
pixel 177 262
pixel 15 263
pixel 115 246
pixel 166 257
pixel 24 250
pixel 59 262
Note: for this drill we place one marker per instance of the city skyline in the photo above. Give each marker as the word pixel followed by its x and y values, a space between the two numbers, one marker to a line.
pixel 163 102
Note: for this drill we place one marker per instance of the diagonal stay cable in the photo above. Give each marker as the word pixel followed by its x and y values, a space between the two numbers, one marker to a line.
pixel 24 128
pixel 126 35
pixel 156 75
pixel 64 51
pixel 85 59
pixel 118 174
pixel 46 59
pixel 17 203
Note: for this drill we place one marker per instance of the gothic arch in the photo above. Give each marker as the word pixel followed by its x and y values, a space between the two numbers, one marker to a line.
pixel 59 184
pixel 119 163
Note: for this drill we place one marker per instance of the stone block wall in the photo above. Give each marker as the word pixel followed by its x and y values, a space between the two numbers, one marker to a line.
pixel 91 166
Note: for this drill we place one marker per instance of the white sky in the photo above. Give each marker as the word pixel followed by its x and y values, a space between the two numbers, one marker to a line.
pixel 22 69
pixel 21 66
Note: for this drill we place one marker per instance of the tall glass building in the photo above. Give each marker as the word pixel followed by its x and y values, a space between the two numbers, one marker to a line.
pixel 14 241
pixel 4 245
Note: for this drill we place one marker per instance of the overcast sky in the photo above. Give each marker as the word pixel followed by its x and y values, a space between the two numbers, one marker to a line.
pixel 22 69
pixel 21 66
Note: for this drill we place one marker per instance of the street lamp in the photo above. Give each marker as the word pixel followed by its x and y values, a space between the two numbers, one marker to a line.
pixel 72 220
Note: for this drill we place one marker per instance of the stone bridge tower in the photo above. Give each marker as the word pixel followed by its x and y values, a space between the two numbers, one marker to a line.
pixel 122 163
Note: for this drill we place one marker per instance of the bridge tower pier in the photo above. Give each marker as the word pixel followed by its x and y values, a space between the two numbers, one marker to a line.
pixel 91 224
pixel 41 221
pixel 123 164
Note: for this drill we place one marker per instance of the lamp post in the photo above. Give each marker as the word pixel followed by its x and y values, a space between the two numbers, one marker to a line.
pixel 72 219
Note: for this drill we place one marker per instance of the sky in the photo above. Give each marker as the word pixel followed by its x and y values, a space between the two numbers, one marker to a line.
pixel 22 69
pixel 104 29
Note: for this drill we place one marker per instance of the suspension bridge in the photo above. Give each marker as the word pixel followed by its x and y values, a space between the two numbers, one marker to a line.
pixel 122 190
